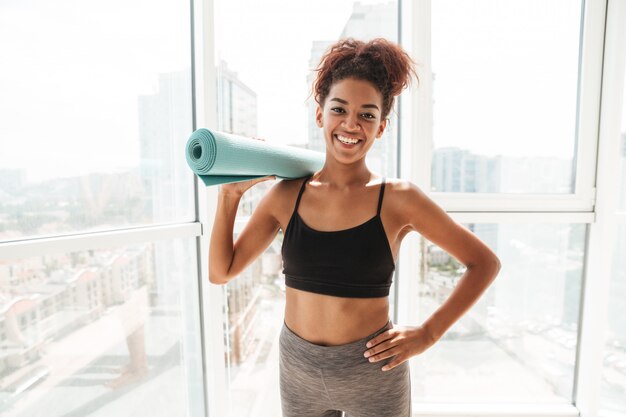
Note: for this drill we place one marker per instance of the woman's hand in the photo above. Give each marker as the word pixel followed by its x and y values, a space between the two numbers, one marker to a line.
pixel 239 188
pixel 401 342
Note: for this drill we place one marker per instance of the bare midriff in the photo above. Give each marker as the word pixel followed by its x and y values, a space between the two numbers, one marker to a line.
pixel 330 321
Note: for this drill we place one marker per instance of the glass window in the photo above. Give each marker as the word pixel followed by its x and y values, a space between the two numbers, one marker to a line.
pixel 256 303
pixel 525 324
pixel 96 108
pixel 264 81
pixel 614 356
pixel 505 84
pixel 101 332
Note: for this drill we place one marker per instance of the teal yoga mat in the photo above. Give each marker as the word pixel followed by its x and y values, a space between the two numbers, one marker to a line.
pixel 220 158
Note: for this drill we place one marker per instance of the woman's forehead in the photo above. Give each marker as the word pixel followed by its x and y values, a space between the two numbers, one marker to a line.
pixel 354 91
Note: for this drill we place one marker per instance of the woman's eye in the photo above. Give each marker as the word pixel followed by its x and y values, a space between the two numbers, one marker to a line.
pixel 340 110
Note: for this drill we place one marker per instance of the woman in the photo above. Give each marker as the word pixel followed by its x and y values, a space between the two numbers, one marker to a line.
pixel 339 351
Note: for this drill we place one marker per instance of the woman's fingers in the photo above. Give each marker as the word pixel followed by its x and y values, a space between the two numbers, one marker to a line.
pixel 381 342
pixel 392 364
pixel 386 354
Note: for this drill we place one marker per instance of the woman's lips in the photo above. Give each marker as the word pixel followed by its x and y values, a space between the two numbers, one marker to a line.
pixel 347 145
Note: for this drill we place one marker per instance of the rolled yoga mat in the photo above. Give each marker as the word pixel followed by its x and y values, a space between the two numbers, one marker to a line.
pixel 220 158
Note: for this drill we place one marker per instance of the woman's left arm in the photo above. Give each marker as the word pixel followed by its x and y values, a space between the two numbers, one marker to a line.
pixel 424 216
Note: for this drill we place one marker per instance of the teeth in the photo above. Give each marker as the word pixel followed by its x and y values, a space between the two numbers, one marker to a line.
pixel 346 140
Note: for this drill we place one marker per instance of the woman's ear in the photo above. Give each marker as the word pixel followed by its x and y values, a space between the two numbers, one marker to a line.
pixel 318 116
pixel 381 128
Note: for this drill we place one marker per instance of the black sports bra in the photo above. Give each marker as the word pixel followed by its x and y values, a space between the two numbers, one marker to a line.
pixel 354 262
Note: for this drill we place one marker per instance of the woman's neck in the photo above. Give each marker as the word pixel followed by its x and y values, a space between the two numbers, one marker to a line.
pixel 343 177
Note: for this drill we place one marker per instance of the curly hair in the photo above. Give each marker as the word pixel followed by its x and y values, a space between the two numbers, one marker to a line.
pixel 383 63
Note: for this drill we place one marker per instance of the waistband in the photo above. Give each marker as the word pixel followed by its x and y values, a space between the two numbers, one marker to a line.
pixel 327 356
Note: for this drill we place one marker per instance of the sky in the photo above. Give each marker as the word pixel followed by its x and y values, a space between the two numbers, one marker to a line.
pixel 71 77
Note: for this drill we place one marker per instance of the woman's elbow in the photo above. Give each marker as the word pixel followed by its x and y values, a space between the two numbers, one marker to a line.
pixel 217 279
pixel 490 265
pixel 495 265
pixel 214 280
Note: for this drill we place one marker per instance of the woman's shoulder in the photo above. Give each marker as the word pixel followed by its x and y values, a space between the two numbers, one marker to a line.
pixel 412 205
pixel 286 187
pixel 402 194
pixel 401 188
pixel 284 191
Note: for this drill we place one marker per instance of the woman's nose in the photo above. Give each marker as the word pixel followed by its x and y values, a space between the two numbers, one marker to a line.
pixel 350 123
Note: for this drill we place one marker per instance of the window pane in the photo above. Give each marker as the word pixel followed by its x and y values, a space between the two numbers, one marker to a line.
pixel 613 388
pixel 525 324
pixel 96 109
pixel 505 83
pixel 264 79
pixel 102 333
pixel 614 357
pixel 256 305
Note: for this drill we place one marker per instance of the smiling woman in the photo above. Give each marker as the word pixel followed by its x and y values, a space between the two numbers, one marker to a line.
pixel 337 339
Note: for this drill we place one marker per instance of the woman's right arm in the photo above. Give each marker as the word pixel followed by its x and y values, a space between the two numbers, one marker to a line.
pixel 227 260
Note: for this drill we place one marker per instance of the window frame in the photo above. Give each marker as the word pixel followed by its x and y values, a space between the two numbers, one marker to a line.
pixel 213 298
pixel 602 237
pixel 416 36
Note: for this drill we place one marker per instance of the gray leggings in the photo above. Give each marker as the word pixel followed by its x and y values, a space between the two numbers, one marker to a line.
pixel 323 381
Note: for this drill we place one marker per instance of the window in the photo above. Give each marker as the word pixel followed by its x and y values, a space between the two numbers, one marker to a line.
pixel 100 220
pixel 525 324
pixel 95 105
pixel 505 96
pixel 614 353
pixel 99 303
pixel 102 352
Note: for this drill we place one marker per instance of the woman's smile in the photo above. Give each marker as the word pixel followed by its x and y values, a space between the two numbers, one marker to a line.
pixel 347 141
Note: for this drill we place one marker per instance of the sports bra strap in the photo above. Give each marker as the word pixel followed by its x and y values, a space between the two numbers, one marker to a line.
pixel 301 191
pixel 380 198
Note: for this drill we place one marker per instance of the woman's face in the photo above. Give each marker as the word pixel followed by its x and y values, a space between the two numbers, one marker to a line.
pixel 351 110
